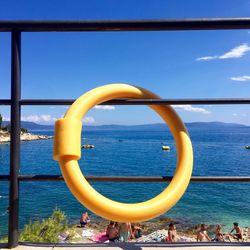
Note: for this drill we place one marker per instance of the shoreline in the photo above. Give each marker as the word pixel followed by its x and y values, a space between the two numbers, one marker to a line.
pixel 152 231
pixel 155 230
pixel 5 137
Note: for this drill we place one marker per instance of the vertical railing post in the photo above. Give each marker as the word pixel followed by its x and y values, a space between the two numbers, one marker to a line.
pixel 15 137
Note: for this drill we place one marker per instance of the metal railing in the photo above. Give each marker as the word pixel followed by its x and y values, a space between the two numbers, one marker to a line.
pixel 17 27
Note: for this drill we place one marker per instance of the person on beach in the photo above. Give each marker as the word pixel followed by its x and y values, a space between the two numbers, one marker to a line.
pixel 126 232
pixel 136 231
pixel 172 233
pixel 202 234
pixel 113 233
pixel 219 235
pixel 110 225
pixel 84 220
pixel 238 232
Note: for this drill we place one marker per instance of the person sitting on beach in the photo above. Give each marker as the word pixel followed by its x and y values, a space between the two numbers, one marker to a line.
pixel 84 220
pixel 238 232
pixel 202 234
pixel 110 225
pixel 126 232
pixel 113 232
pixel 219 235
pixel 172 233
pixel 136 231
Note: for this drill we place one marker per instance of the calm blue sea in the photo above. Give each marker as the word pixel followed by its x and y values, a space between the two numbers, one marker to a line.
pixel 217 151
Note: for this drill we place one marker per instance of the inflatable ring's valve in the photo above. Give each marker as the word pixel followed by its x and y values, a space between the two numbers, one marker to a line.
pixel 67 150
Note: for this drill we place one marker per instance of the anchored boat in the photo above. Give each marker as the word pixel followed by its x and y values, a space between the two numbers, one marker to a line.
pixel 165 147
pixel 87 146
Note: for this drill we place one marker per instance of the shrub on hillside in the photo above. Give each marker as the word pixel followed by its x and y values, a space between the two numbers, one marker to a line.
pixel 48 229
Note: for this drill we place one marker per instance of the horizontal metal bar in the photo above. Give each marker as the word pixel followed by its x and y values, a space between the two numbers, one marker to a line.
pixel 5 102
pixel 131 178
pixel 126 25
pixel 194 101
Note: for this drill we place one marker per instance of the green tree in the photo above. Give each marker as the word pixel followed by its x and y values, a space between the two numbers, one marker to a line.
pixel 7 128
pixel 1 121
pixel 24 130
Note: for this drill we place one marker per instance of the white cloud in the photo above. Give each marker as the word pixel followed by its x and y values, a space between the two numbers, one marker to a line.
pixel 88 120
pixel 6 118
pixel 190 108
pixel 38 118
pixel 205 58
pixel 240 78
pixel 243 115
pixel 236 52
pixel 104 107
pixel 47 119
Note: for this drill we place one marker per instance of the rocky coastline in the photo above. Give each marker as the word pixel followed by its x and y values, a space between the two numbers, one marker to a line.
pixel 152 231
pixel 24 136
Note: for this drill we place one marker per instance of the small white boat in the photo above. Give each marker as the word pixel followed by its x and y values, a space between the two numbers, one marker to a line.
pixel 164 147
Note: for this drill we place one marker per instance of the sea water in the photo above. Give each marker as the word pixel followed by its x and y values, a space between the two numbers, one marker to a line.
pixel 217 151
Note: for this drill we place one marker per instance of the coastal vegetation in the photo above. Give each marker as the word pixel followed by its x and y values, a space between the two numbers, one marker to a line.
pixel 7 128
pixel 5 133
pixel 47 230
pixel 1 121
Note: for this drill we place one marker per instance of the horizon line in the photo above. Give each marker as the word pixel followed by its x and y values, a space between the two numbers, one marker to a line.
pixel 112 124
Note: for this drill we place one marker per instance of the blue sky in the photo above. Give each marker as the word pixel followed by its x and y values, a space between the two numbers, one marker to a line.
pixel 179 64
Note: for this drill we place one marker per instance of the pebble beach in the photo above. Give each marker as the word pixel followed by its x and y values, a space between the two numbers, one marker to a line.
pixel 153 231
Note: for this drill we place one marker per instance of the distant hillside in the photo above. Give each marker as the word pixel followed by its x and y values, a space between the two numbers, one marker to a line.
pixel 214 124
pixel 32 125
pixel 148 127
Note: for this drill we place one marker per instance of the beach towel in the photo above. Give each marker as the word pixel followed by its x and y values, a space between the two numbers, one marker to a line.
pixel 186 239
pixel 100 237
pixel 156 236
pixel 62 237
pixel 87 233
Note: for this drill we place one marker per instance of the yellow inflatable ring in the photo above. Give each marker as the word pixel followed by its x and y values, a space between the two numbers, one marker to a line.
pixel 67 150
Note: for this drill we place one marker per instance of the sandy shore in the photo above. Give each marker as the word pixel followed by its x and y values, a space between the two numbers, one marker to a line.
pixel 5 137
